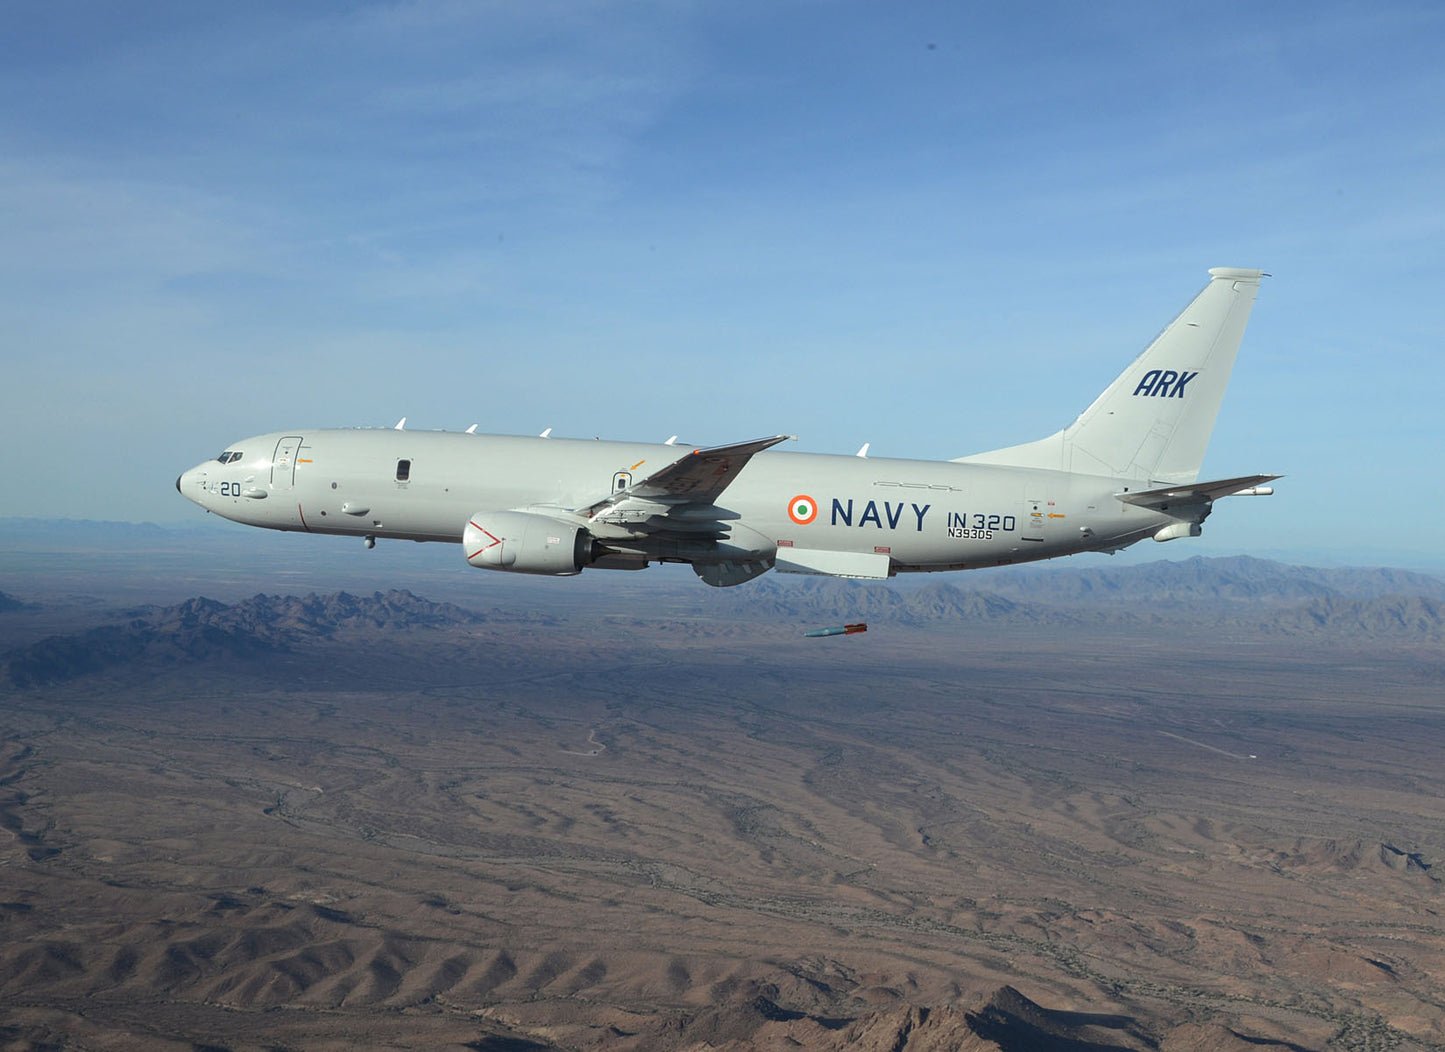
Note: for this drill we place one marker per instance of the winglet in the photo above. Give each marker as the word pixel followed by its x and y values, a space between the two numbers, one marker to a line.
pixel 697 477
pixel 400 425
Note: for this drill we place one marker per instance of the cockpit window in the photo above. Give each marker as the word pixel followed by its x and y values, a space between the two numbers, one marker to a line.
pixel 235 457
pixel 230 457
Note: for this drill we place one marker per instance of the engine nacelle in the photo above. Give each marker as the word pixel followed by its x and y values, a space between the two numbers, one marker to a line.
pixel 520 542
pixel 1177 530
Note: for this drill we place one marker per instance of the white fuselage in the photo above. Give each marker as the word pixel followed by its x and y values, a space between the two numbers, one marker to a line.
pixel 427 485
pixel 1127 468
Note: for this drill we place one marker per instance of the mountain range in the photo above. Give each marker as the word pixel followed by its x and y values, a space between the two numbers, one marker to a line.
pixel 1229 594
pixel 199 629
pixel 1211 595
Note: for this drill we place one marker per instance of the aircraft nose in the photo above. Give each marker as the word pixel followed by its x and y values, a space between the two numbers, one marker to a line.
pixel 189 484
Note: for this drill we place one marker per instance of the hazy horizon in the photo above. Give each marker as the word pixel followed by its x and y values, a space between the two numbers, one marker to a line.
pixel 937 229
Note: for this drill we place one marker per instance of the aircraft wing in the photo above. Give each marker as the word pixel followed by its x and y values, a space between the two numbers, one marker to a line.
pixel 681 497
pixel 1193 492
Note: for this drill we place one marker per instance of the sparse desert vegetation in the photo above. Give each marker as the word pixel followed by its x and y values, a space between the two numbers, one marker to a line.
pixel 386 822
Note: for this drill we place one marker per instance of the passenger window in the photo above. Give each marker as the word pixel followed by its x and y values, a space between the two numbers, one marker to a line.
pixel 403 470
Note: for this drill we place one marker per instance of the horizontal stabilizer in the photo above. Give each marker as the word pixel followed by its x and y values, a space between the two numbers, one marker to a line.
pixel 1194 492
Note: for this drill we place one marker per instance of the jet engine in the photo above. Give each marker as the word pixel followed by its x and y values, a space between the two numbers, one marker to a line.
pixel 520 542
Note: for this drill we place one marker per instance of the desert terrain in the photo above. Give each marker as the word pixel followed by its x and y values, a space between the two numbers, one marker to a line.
pixel 1200 808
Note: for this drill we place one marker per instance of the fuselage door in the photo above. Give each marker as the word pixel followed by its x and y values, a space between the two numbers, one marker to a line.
pixel 283 463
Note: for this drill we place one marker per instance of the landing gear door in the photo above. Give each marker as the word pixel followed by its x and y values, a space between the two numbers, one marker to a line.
pixel 283 463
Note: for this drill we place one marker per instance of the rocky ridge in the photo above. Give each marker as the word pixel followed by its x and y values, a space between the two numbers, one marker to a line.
pixel 201 629
pixel 1228 596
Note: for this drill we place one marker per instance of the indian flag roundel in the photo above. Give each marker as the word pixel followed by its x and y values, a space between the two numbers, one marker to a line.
pixel 803 510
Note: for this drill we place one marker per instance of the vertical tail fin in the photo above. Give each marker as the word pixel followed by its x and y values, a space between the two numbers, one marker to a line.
pixel 1154 421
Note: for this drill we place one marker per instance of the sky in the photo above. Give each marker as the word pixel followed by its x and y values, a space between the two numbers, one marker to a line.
pixel 938 228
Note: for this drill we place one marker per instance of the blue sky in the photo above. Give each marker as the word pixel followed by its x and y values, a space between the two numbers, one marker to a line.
pixel 936 227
